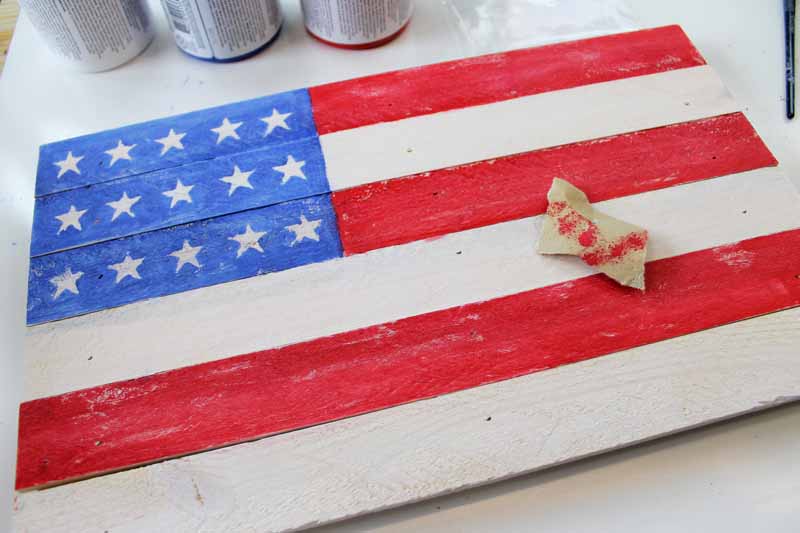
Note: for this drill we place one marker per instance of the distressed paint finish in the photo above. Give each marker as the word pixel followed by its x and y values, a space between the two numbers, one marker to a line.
pixel 83 216
pixel 200 142
pixel 224 402
pixel 424 449
pixel 159 271
pixel 478 194
pixel 496 77
pixel 429 142
pixel 381 286
pixel 226 489
pixel 209 196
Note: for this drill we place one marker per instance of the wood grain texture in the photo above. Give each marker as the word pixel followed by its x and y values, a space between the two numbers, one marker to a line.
pixel 201 142
pixel 478 194
pixel 220 259
pixel 428 142
pixel 437 446
pixel 492 78
pixel 210 196
pixel 9 11
pixel 238 399
pixel 381 286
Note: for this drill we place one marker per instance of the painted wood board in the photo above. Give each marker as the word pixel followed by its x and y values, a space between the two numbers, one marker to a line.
pixel 148 177
pixel 426 142
pixel 184 257
pixel 430 204
pixel 243 398
pixel 381 286
pixel 438 446
pixel 411 317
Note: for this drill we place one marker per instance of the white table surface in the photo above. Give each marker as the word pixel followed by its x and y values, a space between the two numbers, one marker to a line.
pixel 739 476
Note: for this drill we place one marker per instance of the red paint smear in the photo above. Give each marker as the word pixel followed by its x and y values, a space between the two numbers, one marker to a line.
pixel 435 203
pixel 597 250
pixel 493 78
pixel 588 237
pixel 243 398
pixel 571 223
pixel 605 253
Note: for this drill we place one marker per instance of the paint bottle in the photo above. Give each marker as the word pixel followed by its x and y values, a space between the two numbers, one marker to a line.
pixel 92 35
pixel 356 24
pixel 223 30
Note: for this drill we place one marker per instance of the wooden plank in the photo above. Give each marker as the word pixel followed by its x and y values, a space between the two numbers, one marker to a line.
pixel 9 11
pixel 491 78
pixel 206 134
pixel 196 408
pixel 437 446
pixel 381 286
pixel 486 78
pixel 182 258
pixel 488 192
pixel 213 188
pixel 429 142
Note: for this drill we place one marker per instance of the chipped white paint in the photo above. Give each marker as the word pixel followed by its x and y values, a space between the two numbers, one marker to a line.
pixel 380 286
pixel 427 142
pixel 432 447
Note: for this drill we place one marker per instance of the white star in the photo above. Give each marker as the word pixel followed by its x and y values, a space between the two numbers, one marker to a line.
pixel 179 194
pixel 70 163
pixel 306 229
pixel 292 169
pixel 238 179
pixel 276 120
pixel 187 254
pixel 123 205
pixel 71 218
pixel 226 129
pixel 127 268
pixel 173 140
pixel 67 281
pixel 248 239
pixel 121 151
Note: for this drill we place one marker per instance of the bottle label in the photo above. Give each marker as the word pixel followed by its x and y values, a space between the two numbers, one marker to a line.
pixel 222 29
pixel 92 36
pixel 354 22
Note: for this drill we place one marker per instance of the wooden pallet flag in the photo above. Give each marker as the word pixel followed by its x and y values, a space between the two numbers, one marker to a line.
pixel 215 279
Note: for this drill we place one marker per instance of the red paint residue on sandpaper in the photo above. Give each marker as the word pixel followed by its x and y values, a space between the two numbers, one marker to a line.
pixel 615 250
pixel 597 249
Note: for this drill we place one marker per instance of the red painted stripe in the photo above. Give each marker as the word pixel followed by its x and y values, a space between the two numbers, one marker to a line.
pixel 246 397
pixel 492 78
pixel 479 194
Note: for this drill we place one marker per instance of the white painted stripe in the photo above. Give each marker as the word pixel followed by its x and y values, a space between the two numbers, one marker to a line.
pixel 383 285
pixel 422 143
pixel 432 447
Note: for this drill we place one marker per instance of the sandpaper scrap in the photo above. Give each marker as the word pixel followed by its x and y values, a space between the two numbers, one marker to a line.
pixel 572 226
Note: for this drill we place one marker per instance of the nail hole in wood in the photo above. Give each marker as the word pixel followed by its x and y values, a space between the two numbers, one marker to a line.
pixel 488 418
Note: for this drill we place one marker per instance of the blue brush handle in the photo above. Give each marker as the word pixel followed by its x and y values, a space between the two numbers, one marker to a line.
pixel 788 19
